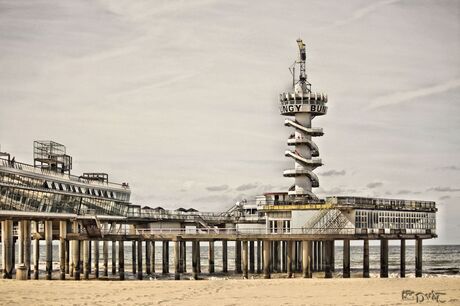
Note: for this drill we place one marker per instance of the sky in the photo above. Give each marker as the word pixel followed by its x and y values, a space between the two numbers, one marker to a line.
pixel 180 98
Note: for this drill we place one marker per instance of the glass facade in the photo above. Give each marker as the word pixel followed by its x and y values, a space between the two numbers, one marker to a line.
pixel 395 220
pixel 20 190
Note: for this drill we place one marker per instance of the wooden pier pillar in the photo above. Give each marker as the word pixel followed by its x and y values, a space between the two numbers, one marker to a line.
pixel 90 255
pixel 266 254
pixel 114 257
pixel 36 255
pixel 283 257
pixel 383 258
pixel 76 252
pixel 259 256
pixel 245 259
pixel 289 263
pixel 148 252
pixel 327 258
pixel 152 256
pixel 27 247
pixel 346 258
pixel 105 258
pixel 183 256
pixel 7 249
pixel 195 250
pixel 402 250
pixel 67 256
pixel 323 256
pixel 121 259
pixel 139 260
pixel 307 259
pixel 49 248
pixel 418 257
pixel 177 260
pixel 366 258
pixel 224 256
pixel 276 256
pixel 165 257
pixel 96 258
pixel 198 254
pixel 86 259
pixel 238 256
pixel 134 257
pixel 62 248
pixel 211 257
pixel 333 255
pixel 252 266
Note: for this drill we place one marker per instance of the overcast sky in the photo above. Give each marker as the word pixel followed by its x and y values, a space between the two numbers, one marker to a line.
pixel 180 98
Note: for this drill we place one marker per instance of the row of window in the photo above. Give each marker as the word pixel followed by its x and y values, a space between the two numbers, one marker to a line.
pixel 33 200
pixel 395 219
pixel 393 203
pixel 15 179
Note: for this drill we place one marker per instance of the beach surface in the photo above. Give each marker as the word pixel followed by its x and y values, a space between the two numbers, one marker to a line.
pixel 355 291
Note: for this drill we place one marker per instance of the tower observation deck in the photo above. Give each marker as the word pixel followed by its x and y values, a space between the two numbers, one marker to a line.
pixel 300 106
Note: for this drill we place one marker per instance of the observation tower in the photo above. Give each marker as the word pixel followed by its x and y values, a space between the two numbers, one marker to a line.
pixel 300 106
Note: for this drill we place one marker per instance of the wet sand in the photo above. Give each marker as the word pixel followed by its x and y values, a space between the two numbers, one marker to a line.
pixel 356 291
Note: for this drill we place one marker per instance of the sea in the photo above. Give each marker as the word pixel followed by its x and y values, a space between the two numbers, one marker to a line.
pixel 438 261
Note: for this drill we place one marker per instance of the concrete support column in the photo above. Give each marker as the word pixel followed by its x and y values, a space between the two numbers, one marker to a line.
pixel 195 250
pixel 148 252
pixel 7 249
pixel 402 249
pixel 251 258
pixel 266 254
pixel 276 256
pixel 96 258
pixel 114 257
pixel 327 258
pixel 152 256
pixel 259 256
pixel 333 255
pixel 49 248
pixel 121 259
pixel 86 259
pixel 36 256
pixel 20 229
pixel 134 256
pixel 177 260
pixel 306 259
pixel 366 258
pixel 290 250
pixel 245 259
pixel 384 258
pixel 418 257
pixel 90 253
pixel 238 256
pixel 346 258
pixel 139 260
pixel 211 257
pixel 105 258
pixel 224 256
pixel 165 257
pixel 62 248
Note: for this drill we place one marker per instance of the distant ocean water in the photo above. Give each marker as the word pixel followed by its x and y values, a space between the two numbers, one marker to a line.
pixel 438 260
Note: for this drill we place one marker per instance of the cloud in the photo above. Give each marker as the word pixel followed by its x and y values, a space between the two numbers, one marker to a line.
pixel 446 197
pixel 245 187
pixel 404 191
pixel 333 173
pixel 374 185
pixel 443 189
pixel 362 12
pixel 336 191
pixel 454 168
pixel 217 188
pixel 401 97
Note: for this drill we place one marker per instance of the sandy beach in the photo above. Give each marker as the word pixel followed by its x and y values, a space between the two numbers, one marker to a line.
pixel 298 291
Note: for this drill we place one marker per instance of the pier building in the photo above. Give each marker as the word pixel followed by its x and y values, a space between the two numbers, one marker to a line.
pixel 292 231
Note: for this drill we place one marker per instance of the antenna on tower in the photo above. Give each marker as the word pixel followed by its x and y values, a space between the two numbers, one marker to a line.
pixel 301 80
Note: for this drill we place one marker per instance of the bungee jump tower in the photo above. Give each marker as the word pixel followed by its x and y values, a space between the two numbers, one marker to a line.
pixel 301 106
